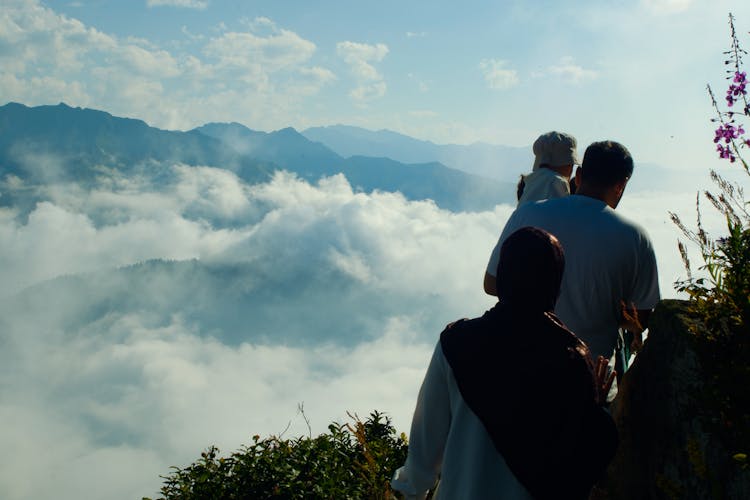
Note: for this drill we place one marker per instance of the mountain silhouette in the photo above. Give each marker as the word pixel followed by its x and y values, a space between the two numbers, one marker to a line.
pixel 286 147
pixel 449 188
pixel 503 163
pixel 82 139
pixel 49 144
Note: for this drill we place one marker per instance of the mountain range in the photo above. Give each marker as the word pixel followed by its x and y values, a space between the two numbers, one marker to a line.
pixel 60 143
pixel 44 145
pixel 498 162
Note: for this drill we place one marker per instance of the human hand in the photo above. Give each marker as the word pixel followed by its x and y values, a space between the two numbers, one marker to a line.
pixel 629 319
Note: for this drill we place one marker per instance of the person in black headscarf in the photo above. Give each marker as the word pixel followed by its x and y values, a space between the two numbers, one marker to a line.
pixel 511 405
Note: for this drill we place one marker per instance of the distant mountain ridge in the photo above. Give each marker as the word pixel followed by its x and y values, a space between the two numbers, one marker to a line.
pixel 449 188
pixel 285 147
pixel 503 163
pixel 83 141
pixel 80 138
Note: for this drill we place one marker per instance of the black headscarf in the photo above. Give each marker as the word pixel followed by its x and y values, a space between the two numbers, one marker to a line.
pixel 529 379
pixel 530 270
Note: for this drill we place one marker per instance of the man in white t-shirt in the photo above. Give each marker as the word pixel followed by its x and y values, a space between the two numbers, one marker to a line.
pixel 554 156
pixel 609 259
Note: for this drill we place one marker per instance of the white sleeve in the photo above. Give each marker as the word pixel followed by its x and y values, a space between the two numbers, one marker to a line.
pixel 511 226
pixel 645 293
pixel 429 431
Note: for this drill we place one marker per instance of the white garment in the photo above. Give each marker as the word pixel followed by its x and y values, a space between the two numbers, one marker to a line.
pixel 543 184
pixel 607 259
pixel 447 440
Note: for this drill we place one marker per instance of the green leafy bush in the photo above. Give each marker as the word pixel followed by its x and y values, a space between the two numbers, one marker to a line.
pixel 720 300
pixel 350 461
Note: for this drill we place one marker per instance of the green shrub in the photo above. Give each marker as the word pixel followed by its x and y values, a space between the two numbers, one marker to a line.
pixel 350 461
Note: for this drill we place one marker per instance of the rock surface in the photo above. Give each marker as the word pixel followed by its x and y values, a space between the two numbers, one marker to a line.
pixel 665 450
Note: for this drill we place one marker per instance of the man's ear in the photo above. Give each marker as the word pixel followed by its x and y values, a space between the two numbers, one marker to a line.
pixel 621 186
pixel 617 191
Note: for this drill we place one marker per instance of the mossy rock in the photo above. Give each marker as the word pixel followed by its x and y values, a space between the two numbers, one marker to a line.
pixel 667 450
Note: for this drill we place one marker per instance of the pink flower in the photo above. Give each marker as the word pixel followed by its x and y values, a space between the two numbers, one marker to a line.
pixel 727 132
pixel 737 88
pixel 725 153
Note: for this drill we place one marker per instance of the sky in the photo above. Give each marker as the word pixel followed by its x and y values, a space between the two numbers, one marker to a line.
pixel 450 72
pixel 99 399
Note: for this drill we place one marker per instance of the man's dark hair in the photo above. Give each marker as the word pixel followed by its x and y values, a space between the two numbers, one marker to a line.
pixel 606 163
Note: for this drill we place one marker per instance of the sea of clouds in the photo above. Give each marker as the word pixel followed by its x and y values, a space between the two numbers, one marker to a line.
pixel 143 321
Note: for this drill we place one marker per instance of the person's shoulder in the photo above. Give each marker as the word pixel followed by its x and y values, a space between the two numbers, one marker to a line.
pixel 630 226
pixel 534 212
pixel 456 327
pixel 551 204
pixel 464 327
pixel 608 215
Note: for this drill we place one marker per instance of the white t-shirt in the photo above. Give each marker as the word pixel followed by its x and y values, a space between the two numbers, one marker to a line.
pixel 608 259
pixel 543 184
pixel 448 440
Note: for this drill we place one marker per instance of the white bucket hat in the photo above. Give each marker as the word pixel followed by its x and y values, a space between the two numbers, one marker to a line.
pixel 555 149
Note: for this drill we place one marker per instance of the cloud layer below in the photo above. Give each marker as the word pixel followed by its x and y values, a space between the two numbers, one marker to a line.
pixel 278 294
pixel 118 375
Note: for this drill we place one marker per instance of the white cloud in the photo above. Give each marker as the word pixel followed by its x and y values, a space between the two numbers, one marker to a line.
pixel 353 52
pixel 313 79
pixel 571 72
pixel 259 24
pixel 152 63
pixel 349 290
pixel 497 76
pixel 359 57
pixel 261 74
pixel 368 92
pixel 139 390
pixel 48 89
pixel 31 34
pixel 318 74
pixel 75 243
pixel 246 50
pixel 189 4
